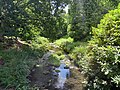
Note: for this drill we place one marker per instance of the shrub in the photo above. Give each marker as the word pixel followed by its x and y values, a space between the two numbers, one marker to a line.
pixel 108 32
pixel 70 47
pixel 102 60
pixel 54 59
pixel 63 42
pixel 41 42
pixel 78 52
pixel 40 45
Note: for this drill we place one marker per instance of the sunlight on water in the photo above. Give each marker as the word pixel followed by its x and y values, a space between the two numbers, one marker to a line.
pixel 62 76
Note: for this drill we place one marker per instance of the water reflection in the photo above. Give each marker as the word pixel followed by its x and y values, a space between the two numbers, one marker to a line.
pixel 62 76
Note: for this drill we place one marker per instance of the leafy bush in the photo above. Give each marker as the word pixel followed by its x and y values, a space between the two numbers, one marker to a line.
pixel 70 47
pixel 54 59
pixel 40 42
pixel 40 45
pixel 108 32
pixel 77 50
pixel 63 42
pixel 102 61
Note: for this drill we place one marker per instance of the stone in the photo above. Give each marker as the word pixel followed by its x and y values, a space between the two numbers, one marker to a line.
pixel 46 72
pixel 66 67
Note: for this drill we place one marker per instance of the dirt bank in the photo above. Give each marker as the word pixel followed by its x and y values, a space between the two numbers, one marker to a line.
pixel 75 82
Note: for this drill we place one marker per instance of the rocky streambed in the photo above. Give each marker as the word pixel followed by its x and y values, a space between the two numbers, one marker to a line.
pixel 46 76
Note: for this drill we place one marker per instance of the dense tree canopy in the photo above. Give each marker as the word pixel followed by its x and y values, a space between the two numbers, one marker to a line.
pixel 86 14
pixel 28 18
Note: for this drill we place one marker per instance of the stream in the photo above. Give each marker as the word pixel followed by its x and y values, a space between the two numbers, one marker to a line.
pixel 67 76
pixel 63 74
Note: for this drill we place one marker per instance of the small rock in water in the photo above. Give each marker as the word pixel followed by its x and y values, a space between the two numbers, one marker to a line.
pixel 57 71
pixel 46 72
pixel 66 67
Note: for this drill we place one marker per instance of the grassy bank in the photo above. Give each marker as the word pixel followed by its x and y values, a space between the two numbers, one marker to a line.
pixel 16 63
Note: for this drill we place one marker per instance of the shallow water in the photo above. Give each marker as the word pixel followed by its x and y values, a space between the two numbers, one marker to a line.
pixel 62 76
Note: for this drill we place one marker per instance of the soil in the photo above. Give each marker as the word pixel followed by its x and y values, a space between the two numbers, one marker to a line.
pixel 42 74
pixel 42 77
pixel 75 80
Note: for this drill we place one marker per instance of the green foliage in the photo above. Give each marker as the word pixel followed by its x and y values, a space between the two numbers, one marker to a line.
pixel 16 68
pixel 108 32
pixel 40 45
pixel 75 50
pixel 78 52
pixel 44 20
pixel 62 57
pixel 42 42
pixel 101 62
pixel 64 42
pixel 54 59
pixel 19 61
pixel 102 67
pixel 59 52
pixel 29 18
pixel 86 14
